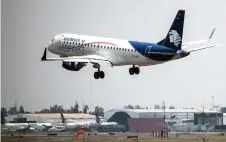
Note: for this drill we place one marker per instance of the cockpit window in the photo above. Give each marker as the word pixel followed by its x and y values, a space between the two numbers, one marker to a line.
pixel 53 40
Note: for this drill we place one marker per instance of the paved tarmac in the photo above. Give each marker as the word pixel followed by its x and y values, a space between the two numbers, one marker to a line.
pixel 68 136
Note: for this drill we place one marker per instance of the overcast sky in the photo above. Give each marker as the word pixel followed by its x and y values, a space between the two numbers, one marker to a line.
pixel 28 26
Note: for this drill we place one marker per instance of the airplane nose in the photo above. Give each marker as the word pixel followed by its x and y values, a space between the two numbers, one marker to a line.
pixel 50 47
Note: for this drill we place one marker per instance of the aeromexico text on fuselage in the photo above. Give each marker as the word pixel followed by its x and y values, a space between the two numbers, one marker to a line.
pixel 72 48
pixel 78 46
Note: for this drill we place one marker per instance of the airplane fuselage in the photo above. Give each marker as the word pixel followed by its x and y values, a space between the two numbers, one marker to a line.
pixel 118 51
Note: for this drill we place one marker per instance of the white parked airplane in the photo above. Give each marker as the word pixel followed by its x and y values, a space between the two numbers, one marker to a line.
pixel 76 50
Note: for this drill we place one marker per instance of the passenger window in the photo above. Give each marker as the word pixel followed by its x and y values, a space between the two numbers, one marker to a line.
pixel 128 49
pixel 125 49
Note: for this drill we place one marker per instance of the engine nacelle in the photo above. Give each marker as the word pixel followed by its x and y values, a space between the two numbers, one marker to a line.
pixel 73 66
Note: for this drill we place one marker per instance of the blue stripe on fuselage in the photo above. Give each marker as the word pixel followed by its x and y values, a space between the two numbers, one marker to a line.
pixel 144 47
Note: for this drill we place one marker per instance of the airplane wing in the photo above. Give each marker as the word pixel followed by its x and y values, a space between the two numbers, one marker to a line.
pixel 94 59
pixel 188 50
pixel 199 41
pixel 201 48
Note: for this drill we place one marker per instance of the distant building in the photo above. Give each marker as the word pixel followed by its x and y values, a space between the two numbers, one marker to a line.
pixel 172 116
pixel 224 118
pixel 145 125
pixel 208 118
pixel 157 113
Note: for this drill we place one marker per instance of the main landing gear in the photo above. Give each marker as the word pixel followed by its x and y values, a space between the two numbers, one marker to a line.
pixel 99 74
pixel 133 70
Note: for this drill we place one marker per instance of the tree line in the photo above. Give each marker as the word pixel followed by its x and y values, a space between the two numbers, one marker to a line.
pixel 54 109
pixel 73 109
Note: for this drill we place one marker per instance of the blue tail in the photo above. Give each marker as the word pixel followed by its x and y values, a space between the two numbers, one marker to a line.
pixel 175 34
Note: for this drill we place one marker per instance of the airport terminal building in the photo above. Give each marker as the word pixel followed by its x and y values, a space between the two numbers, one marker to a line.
pixel 157 113
pixel 173 117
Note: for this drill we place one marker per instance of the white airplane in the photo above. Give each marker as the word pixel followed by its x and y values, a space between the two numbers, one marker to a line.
pixel 76 50
pixel 18 127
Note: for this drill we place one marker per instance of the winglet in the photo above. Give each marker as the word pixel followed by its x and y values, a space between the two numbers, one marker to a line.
pixel 211 35
pixel 44 55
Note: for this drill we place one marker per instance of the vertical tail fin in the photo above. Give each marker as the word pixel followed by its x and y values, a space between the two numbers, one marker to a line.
pixel 175 34
pixel 3 121
pixel 62 118
pixel 97 118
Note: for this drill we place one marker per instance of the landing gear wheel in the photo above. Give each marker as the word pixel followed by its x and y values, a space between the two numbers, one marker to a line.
pixel 101 74
pixel 136 70
pixel 96 75
pixel 131 71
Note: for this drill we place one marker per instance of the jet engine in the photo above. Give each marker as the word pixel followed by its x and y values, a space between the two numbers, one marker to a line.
pixel 73 66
